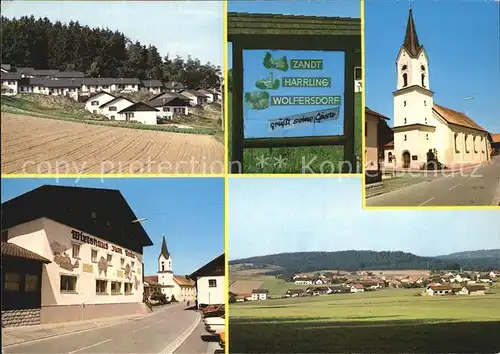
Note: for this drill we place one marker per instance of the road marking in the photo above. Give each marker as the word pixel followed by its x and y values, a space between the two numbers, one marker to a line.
pixel 90 346
pixel 454 187
pixel 427 201
pixel 174 345
pixel 139 329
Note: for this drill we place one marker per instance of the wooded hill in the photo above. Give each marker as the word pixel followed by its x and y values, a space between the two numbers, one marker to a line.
pixel 41 44
pixel 301 262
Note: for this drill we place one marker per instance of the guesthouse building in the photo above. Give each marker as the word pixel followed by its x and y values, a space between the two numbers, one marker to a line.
pixel 70 253
pixel 210 282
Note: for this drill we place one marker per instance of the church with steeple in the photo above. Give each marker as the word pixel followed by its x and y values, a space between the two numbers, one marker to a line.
pixel 178 287
pixel 423 129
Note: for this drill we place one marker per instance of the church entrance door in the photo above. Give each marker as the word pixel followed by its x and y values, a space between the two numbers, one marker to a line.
pixel 406 159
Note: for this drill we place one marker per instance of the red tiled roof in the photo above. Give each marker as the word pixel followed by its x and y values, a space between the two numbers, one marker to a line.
pixel 151 278
pixel 183 281
pixel 13 250
pixel 455 117
pixel 376 114
pixel 495 138
pixel 390 144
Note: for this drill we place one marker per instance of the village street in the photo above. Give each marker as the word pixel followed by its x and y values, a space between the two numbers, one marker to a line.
pixel 168 330
pixel 475 187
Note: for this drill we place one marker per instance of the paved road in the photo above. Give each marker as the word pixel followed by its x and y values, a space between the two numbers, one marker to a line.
pixel 146 335
pixel 200 342
pixel 475 187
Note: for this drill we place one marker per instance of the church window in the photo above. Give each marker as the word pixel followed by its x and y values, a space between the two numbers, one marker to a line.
pixel 170 265
pixel 162 266
pixel 404 67
pixel 422 68
pixel 405 79
pixel 425 103
pixel 405 137
pixel 425 120
pixel 405 121
pixel 404 103
pixel 426 136
pixel 389 156
pixel 423 80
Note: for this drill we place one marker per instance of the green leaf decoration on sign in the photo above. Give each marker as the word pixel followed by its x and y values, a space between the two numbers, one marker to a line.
pixel 269 83
pixel 278 64
pixel 257 100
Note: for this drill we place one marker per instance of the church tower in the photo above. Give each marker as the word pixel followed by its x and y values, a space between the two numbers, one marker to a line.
pixel 165 274
pixel 413 102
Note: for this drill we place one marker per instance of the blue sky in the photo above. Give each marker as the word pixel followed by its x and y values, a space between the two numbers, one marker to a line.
pixel 257 121
pixel 175 27
pixel 462 41
pixel 277 215
pixel 331 8
pixel 188 211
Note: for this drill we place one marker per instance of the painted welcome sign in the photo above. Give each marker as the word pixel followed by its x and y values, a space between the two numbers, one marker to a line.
pixel 293 93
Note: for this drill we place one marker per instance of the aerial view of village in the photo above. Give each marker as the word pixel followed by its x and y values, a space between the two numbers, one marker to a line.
pixel 328 277
pixel 86 90
pixel 432 133
pixel 110 267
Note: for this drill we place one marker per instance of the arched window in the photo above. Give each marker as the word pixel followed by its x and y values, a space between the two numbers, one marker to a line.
pixel 422 67
pixel 162 266
pixel 405 121
pixel 405 79
pixel 423 80
pixel 404 103
pixel 169 264
pixel 425 103
pixel 389 156
pixel 426 136
pixel 405 137
pixel 466 147
pixel 425 120
pixel 456 147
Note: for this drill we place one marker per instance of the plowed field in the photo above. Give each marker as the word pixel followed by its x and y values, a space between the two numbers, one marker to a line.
pixel 37 145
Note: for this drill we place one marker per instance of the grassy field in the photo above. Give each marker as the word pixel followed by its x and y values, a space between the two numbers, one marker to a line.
pixel 61 108
pixel 386 321
pixel 296 158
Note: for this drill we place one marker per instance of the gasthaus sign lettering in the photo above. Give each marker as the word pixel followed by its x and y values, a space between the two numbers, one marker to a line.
pixel 293 93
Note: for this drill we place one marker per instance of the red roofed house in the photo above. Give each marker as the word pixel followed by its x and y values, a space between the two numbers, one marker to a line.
pixel 356 288
pixel 422 129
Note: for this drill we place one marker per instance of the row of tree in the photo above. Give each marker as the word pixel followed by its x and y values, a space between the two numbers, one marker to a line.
pixel 302 262
pixel 98 52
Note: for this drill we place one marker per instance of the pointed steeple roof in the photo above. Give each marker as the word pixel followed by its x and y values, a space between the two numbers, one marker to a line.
pixel 164 251
pixel 411 39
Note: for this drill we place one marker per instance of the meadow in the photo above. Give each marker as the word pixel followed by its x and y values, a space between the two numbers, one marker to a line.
pixel 324 159
pixel 385 321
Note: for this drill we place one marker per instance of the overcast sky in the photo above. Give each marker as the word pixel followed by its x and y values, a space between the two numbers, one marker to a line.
pixel 268 216
pixel 177 27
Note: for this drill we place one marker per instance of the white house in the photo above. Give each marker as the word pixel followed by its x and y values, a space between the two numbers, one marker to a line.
pixel 93 103
pixel 111 108
pixel 210 282
pixel 139 112
pixel 152 86
pixel 110 85
pixel 83 272
pixel 195 98
pixel 10 83
pixel 439 290
pixel 179 287
pixel 174 86
pixel 473 290
pixel 423 129
pixel 170 106
pixel 260 294
pixel 356 288
pixel 211 96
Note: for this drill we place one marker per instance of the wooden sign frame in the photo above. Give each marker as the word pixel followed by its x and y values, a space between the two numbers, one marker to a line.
pixel 286 32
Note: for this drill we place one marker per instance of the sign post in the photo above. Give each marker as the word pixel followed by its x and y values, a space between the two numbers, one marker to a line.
pixel 293 83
